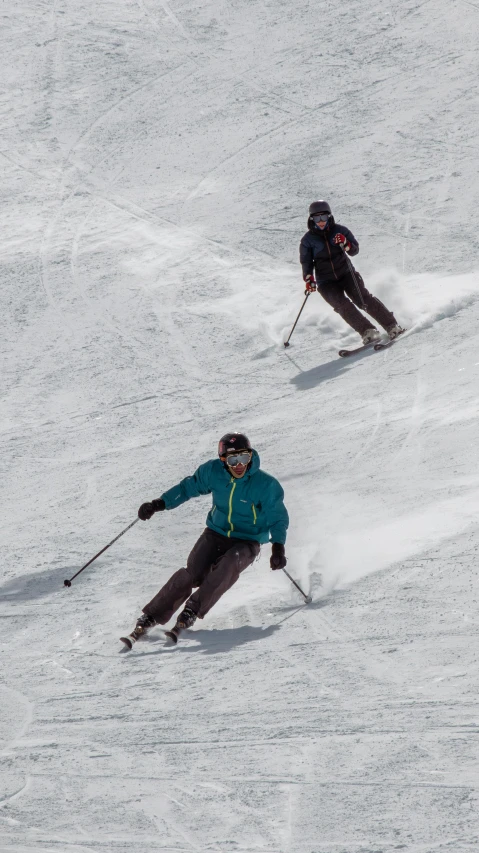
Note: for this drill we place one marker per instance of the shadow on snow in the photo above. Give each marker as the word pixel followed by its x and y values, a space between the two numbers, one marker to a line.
pixel 218 641
pixel 34 585
pixel 310 378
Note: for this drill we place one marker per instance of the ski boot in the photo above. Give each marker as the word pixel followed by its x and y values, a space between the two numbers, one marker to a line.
pixel 394 331
pixel 143 624
pixel 186 619
pixel 371 335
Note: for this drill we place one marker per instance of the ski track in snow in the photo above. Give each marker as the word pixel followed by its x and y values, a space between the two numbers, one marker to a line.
pixel 157 163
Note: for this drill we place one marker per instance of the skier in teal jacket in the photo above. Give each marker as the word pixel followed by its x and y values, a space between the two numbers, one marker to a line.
pixel 246 507
pixel 247 511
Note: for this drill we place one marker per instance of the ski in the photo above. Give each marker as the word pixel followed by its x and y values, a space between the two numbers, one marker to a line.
pixel 380 345
pixel 129 640
pixel 344 353
pixel 173 634
pixel 376 345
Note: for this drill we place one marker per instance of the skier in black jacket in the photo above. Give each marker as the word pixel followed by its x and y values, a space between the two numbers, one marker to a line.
pixel 324 250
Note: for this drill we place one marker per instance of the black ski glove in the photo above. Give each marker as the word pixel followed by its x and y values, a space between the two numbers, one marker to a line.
pixel 278 557
pixel 147 510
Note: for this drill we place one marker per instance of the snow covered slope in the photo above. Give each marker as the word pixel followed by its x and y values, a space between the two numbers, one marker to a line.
pixel 157 161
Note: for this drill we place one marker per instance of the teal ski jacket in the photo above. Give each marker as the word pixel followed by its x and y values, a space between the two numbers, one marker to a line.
pixel 247 508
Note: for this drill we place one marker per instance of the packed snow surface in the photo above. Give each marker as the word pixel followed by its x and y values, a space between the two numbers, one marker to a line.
pixel 157 161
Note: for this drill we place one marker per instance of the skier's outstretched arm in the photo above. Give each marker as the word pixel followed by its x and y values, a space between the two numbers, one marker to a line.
pixel 191 487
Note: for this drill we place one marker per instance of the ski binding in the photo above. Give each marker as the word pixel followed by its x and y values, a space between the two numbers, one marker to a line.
pixel 380 345
pixel 377 346
pixel 344 353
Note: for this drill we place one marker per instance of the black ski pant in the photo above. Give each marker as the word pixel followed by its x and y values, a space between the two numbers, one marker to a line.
pixel 213 566
pixel 337 293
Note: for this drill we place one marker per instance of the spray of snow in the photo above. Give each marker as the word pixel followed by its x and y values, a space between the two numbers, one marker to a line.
pixel 266 302
pixel 421 300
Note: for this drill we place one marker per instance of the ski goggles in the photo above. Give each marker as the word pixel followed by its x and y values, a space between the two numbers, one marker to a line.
pixel 234 459
pixel 320 217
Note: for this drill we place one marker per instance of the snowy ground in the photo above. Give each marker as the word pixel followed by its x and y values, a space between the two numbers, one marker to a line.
pixel 157 160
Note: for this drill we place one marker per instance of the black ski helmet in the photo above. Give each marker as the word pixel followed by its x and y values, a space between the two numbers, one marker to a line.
pixel 232 441
pixel 319 207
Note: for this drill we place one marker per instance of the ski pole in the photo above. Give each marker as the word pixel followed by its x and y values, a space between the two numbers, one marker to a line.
pixel 353 276
pixel 308 599
pixel 69 582
pixel 286 343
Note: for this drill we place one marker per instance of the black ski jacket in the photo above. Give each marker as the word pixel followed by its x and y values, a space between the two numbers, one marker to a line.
pixel 319 254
